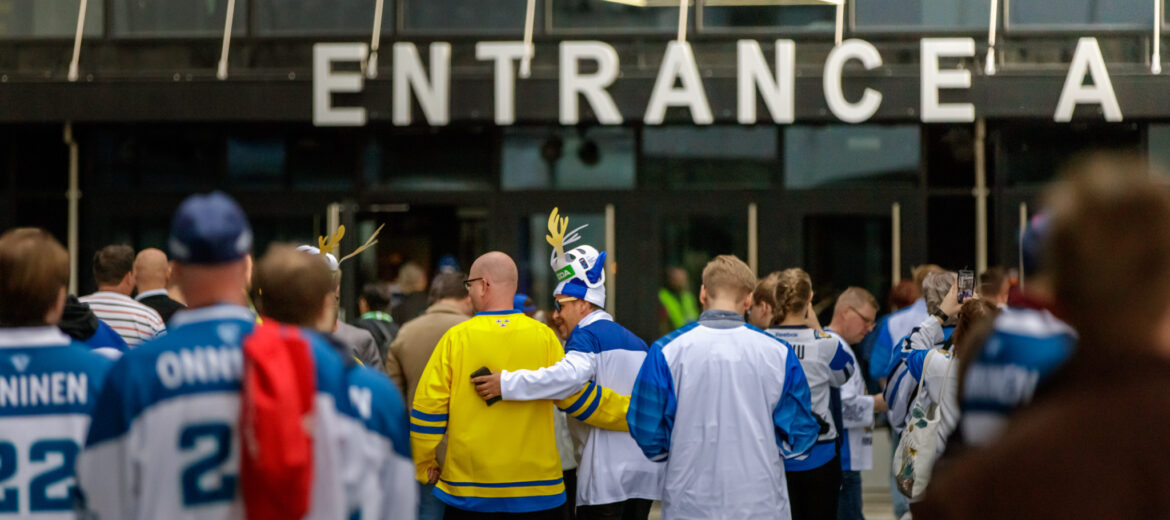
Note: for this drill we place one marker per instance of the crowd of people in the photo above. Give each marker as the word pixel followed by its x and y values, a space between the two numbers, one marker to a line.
pixel 200 383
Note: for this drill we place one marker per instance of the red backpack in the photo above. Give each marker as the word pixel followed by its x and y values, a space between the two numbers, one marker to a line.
pixel 276 423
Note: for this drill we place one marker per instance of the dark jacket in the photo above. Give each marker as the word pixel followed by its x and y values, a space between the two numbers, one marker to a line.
pixel 162 303
pixel 80 323
pixel 1091 445
pixel 383 332
pixel 412 306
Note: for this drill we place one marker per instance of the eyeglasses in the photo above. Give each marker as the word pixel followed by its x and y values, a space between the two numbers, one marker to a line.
pixel 864 318
pixel 467 283
pixel 558 301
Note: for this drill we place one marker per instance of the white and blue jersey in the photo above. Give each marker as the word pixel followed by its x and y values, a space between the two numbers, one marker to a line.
pixel 897 326
pixel 612 467
pixel 906 372
pixel 827 365
pixel 1026 346
pixel 164 440
pixel 388 489
pixel 857 418
pixel 48 384
pixel 724 404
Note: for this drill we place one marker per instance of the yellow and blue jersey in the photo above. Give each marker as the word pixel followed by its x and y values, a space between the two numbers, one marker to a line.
pixel 500 458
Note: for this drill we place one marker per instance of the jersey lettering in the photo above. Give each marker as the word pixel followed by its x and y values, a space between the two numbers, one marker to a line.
pixel 799 349
pixel 53 388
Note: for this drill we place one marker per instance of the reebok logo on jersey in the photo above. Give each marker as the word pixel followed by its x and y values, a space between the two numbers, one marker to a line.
pixel 20 361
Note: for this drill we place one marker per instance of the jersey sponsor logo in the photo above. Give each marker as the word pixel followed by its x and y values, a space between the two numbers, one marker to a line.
pixel 199 365
pixel 52 388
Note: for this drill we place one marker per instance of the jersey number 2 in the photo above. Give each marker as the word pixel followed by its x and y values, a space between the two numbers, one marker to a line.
pixel 38 488
pixel 194 493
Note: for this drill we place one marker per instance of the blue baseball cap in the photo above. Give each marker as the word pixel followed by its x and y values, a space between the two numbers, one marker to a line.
pixel 209 229
pixel 519 303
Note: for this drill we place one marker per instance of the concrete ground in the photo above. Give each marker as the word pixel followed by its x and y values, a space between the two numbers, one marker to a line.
pixel 875 483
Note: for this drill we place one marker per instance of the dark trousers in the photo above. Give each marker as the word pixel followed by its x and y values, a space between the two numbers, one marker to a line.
pixel 849 504
pixel 632 509
pixel 556 513
pixel 570 495
pixel 813 493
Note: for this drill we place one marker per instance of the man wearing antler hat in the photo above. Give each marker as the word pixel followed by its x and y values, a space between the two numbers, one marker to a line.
pixel 361 343
pixel 614 479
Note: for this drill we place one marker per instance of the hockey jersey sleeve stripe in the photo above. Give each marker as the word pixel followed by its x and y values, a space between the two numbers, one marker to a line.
pixel 590 391
pixel 431 417
pixel 796 428
pixel 592 407
pixel 653 405
pixel 414 428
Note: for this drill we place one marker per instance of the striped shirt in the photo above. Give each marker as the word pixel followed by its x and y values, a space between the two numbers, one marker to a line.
pixel 132 320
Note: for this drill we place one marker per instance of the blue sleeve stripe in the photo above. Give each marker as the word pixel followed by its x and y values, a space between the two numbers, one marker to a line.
pixel 414 428
pixel 592 406
pixel 432 417
pixel 591 387
pixel 841 359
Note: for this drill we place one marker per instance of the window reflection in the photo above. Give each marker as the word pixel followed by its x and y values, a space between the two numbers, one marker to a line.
pixel 865 154
pixel 47 18
pixel 176 18
pixel 596 158
pixel 817 18
pixel 461 15
pixel 599 15
pixel 923 14
pixel 295 17
pixel 720 157
pixel 1074 13
pixel 688 243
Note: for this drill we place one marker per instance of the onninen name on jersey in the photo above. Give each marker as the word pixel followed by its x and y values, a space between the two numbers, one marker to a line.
pixel 52 388
pixel 199 365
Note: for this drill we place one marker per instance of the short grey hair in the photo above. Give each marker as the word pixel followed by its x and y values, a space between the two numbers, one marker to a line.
pixel 935 287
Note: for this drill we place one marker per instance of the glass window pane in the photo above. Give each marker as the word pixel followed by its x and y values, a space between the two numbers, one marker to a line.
pixel 463 16
pixel 922 14
pixel 436 161
pixel 1077 13
pixel 1034 153
pixel 720 157
pixel 598 158
pixel 844 250
pixel 1158 136
pixel 297 17
pixel 690 241
pixel 606 16
pixel 809 17
pixel 176 18
pixel 49 18
pixel 817 156
pixel 257 162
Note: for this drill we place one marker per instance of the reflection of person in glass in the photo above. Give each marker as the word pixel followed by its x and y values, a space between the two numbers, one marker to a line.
pixel 678 304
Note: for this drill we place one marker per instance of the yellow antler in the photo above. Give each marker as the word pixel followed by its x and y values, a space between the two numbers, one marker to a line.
pixel 369 243
pixel 329 244
pixel 556 228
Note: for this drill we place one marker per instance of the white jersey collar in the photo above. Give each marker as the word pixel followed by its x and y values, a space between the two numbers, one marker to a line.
pixel 213 313
pixel 33 337
pixel 594 317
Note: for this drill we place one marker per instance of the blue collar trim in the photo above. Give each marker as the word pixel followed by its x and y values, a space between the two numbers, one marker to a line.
pixel 498 313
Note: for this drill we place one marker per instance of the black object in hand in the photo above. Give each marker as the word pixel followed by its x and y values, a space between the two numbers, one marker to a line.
pixel 484 371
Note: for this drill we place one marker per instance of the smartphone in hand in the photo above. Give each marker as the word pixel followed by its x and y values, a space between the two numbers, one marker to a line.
pixel 484 371
pixel 966 285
